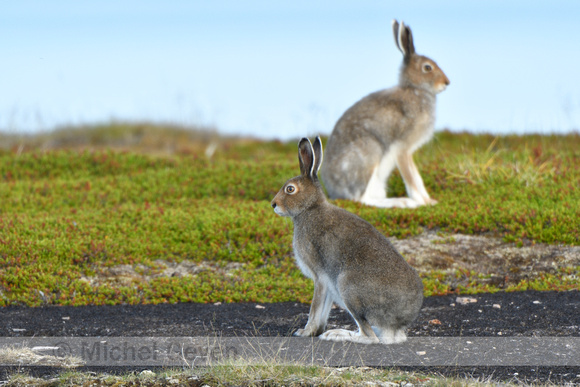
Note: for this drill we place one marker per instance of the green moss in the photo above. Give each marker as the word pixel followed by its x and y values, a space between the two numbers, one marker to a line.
pixel 68 217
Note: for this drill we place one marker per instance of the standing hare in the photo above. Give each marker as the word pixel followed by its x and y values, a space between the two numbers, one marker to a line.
pixel 383 130
pixel 351 263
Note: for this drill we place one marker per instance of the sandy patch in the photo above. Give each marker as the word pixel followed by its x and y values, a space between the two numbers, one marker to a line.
pixel 485 255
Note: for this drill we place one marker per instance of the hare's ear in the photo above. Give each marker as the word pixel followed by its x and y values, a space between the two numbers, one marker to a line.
pixel 405 41
pixel 395 25
pixel 306 157
pixel 317 146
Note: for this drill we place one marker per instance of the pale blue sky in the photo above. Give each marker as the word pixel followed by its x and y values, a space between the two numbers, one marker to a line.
pixel 283 69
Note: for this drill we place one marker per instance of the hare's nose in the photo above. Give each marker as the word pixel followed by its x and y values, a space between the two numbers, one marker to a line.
pixel 447 81
pixel 273 205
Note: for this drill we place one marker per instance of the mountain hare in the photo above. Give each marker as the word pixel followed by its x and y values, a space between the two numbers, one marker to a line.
pixel 351 263
pixel 383 130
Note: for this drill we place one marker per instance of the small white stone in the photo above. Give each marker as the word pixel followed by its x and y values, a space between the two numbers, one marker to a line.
pixel 536 302
pixel 260 307
pixel 497 306
pixel 421 353
pixel 465 300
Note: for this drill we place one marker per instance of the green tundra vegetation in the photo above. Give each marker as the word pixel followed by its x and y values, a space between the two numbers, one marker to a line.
pixel 128 213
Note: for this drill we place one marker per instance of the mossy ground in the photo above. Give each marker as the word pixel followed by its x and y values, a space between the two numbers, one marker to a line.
pixel 72 212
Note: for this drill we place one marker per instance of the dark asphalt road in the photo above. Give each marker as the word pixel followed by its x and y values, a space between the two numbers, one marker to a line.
pixel 502 314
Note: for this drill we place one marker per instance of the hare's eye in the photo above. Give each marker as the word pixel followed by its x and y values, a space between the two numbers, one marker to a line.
pixel 290 189
pixel 427 68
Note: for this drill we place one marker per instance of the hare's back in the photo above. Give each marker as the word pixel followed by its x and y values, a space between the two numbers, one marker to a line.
pixel 359 241
pixel 379 118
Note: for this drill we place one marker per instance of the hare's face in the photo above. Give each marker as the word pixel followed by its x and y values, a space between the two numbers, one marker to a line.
pixel 295 196
pixel 424 73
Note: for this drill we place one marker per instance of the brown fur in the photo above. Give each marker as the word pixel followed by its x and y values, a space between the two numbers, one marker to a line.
pixel 350 261
pixel 385 124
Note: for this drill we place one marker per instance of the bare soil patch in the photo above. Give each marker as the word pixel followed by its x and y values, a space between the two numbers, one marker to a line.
pixel 504 262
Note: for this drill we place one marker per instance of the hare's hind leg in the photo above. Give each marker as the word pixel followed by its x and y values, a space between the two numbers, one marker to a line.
pixel 364 335
pixel 390 335
pixel 376 194
pixel 346 172
pixel 413 181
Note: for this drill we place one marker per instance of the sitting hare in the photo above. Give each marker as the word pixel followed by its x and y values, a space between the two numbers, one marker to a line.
pixel 351 263
pixel 383 130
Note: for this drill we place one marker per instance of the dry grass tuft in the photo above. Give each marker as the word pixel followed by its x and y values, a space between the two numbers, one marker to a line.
pixel 36 357
pixel 527 167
